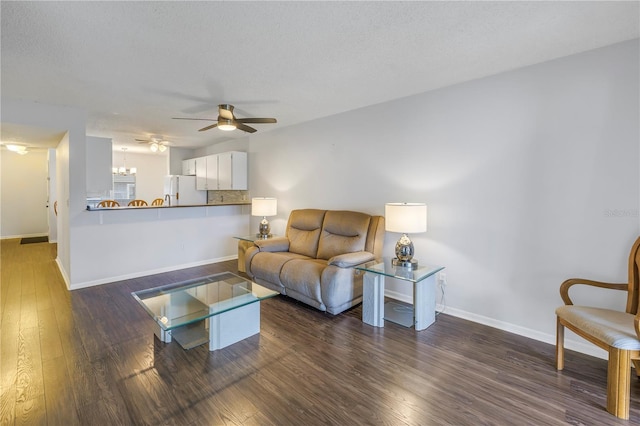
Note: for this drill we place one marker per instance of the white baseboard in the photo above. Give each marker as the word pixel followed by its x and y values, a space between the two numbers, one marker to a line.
pixel 108 280
pixel 574 345
pixel 65 277
pixel 12 237
pixel 582 347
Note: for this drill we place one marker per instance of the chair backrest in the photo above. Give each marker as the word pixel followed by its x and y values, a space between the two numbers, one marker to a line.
pixel 137 203
pixel 108 203
pixel 633 298
pixel 157 202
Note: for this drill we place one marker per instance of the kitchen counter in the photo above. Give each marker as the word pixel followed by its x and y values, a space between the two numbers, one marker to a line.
pixel 231 203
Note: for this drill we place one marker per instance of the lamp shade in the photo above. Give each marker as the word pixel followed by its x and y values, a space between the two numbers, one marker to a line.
pixel 405 217
pixel 262 206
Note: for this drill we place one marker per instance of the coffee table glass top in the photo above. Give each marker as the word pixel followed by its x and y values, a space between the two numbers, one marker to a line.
pixel 187 302
pixel 386 268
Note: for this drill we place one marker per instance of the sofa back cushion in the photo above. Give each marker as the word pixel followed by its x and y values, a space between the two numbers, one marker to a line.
pixel 303 231
pixel 343 232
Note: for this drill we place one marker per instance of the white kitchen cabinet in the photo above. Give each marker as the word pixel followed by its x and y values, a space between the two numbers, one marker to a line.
pixel 189 167
pixel 207 172
pixel 232 170
pixel 224 171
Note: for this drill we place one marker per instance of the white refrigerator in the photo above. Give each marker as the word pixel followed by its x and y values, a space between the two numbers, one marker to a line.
pixel 182 190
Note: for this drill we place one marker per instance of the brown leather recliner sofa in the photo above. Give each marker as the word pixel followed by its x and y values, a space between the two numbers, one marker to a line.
pixel 314 261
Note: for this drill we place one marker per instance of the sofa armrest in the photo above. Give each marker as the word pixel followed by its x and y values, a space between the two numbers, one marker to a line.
pixel 349 260
pixel 273 244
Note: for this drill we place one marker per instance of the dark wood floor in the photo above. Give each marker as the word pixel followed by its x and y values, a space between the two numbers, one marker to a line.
pixel 89 357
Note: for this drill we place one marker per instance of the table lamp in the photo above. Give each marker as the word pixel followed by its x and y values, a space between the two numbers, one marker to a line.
pixel 405 218
pixel 263 206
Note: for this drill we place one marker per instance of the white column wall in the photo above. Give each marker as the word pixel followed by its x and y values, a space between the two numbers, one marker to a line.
pixel 530 177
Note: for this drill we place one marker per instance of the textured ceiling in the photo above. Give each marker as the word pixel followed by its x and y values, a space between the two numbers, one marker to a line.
pixel 135 65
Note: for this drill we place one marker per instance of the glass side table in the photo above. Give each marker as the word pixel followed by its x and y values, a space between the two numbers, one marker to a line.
pixel 374 311
pixel 244 242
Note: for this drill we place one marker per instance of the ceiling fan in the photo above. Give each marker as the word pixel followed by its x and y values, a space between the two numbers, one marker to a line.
pixel 227 121
pixel 156 143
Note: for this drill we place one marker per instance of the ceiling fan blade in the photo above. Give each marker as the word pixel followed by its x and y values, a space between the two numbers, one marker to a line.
pixel 208 127
pixel 181 118
pixel 245 128
pixel 142 140
pixel 256 120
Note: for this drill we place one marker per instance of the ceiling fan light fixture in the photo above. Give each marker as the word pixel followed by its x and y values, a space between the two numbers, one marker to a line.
pixel 153 147
pixel 226 125
pixel 162 148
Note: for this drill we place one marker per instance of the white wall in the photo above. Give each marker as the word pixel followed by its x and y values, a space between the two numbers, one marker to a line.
pixel 23 198
pixel 117 245
pixel 521 173
pixel 175 157
pixel 151 170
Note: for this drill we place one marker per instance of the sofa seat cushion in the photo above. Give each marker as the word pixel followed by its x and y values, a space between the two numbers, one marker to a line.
pixel 268 266
pixel 302 277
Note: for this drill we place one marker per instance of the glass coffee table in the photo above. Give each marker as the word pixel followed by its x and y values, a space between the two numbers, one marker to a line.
pixel 220 309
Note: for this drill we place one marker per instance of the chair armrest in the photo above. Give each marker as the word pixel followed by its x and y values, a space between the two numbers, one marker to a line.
pixel 349 260
pixel 273 244
pixel 564 287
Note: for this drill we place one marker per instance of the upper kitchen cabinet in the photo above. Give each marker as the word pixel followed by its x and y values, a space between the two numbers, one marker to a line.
pixel 224 171
pixel 232 170
pixel 207 173
pixel 99 162
pixel 189 167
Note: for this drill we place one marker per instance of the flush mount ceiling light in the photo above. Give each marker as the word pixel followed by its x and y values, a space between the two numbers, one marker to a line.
pixel 226 125
pixel 18 149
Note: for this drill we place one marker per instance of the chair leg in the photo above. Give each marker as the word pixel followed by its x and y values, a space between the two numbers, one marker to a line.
pixel 619 383
pixel 559 345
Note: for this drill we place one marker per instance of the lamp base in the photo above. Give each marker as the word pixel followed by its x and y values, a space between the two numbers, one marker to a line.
pixel 409 264
pixel 264 230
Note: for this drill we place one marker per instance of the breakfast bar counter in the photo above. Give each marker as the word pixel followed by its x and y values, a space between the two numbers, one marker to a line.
pixel 231 203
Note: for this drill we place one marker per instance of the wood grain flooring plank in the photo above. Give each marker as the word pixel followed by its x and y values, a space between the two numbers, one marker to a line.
pixel 59 399
pixel 30 403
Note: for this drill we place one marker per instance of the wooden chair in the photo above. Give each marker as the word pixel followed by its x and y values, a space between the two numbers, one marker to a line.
pixel 137 203
pixel 108 203
pixel 616 332
pixel 157 202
